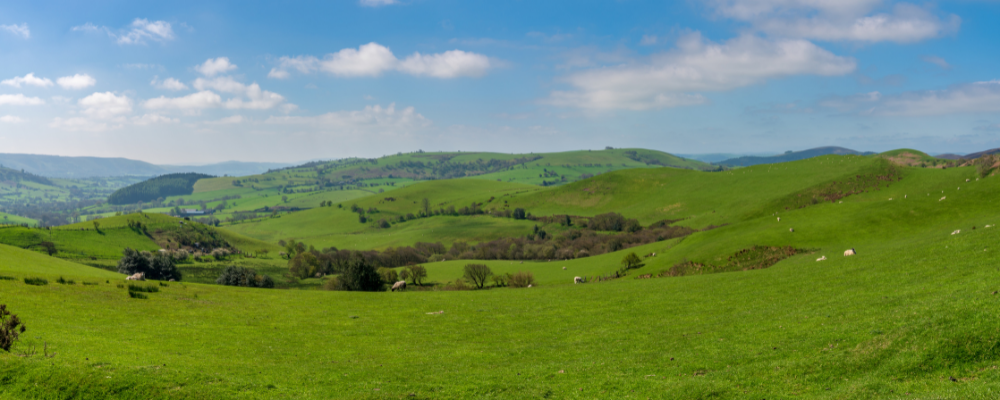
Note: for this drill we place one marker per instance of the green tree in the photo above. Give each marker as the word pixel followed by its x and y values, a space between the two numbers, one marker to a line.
pixel 304 265
pixel 426 207
pixel 359 275
pixel 631 261
pixel 49 247
pixel 478 274
pixel 417 273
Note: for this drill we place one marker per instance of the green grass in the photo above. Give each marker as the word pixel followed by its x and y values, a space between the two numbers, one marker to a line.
pixel 899 318
pixel 15 219
pixel 915 308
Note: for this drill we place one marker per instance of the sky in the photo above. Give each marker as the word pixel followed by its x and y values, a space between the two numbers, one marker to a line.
pixel 199 82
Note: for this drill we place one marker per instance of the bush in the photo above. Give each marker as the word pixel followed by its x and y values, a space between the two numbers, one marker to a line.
pixel 141 288
pixel 137 295
pixel 10 328
pixel 477 273
pixel 304 265
pixel 522 279
pixel 360 275
pixel 500 280
pixel 389 276
pixel 245 277
pixel 36 281
pixel 63 281
pixel 458 284
pixel 7 278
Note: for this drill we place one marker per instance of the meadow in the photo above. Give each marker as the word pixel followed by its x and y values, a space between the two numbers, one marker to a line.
pixel 910 316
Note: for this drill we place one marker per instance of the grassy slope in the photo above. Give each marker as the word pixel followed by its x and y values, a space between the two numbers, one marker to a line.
pixel 15 219
pixel 332 226
pixel 899 319
pixel 21 263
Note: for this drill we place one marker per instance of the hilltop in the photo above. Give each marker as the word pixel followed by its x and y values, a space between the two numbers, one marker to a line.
pixel 790 156
pixel 93 167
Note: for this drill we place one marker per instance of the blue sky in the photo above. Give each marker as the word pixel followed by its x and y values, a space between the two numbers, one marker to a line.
pixel 200 82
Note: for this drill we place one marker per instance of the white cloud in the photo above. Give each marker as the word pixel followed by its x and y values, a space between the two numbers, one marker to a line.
pixel 969 98
pixel 10 119
pixel 143 30
pixel 195 101
pixel 167 84
pixel 153 119
pixel 232 120
pixel 840 20
pixel 29 79
pixel 215 66
pixel 81 124
pixel 18 30
pixel 76 82
pixel 370 117
pixel 648 40
pixel 373 59
pixel 377 3
pixel 450 64
pixel 257 99
pixel 105 105
pixel 139 32
pixel 676 78
pixel 19 100
pixel 937 61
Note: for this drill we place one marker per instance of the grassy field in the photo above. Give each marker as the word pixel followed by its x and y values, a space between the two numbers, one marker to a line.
pixel 897 321
pixel 911 316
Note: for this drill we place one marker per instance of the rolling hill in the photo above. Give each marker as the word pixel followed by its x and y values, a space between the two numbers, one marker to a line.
pixel 90 167
pixel 789 156
pixel 910 316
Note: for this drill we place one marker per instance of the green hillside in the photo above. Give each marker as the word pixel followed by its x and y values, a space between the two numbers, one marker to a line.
pixel 161 186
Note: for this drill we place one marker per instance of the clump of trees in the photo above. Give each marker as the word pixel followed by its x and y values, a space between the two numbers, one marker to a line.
pixel 245 277
pixel 359 275
pixel 161 186
pixel 159 266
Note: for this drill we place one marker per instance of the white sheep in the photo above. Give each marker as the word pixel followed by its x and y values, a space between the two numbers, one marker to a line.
pixel 957 231
pixel 849 252
pixel 822 258
pixel 577 279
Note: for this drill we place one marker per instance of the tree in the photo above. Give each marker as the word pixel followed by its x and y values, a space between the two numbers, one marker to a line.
pixel 161 267
pixel 518 213
pixel 246 277
pixel 404 274
pixel 97 226
pixel 132 262
pixel 631 261
pixel 49 247
pixel 10 328
pixel 284 199
pixel 359 276
pixel 426 206
pixel 417 273
pixel 304 265
pixel 478 274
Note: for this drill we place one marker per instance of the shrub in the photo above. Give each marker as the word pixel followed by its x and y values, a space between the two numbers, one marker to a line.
pixel 132 262
pixel 458 284
pixel 36 281
pixel 478 273
pixel 219 254
pixel 137 295
pixel 245 277
pixel 304 265
pixel 141 288
pixel 7 278
pixel 331 284
pixel 10 328
pixel 63 281
pixel 389 276
pixel 522 279
pixel 500 280
pixel 437 257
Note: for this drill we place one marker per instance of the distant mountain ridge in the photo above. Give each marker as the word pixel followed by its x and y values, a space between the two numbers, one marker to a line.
pixel 87 167
pixel 790 156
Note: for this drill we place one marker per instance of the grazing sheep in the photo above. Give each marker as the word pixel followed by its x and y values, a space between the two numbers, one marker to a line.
pixel 966 180
pixel 564 268
pixel 890 199
pixel 957 231
pixel 791 229
pixel 577 279
pixel 942 198
pixel 987 226
pixel 822 258
pixel 529 285
pixel 779 219
pixel 138 276
pixel 850 252
pixel 401 285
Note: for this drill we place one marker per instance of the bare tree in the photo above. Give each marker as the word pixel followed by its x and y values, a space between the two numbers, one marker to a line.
pixel 478 274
